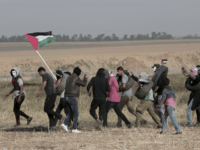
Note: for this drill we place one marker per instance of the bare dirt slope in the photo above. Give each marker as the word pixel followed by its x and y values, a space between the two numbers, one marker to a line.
pixel 101 54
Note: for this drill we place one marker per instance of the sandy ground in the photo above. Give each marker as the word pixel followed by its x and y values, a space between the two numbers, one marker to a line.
pixel 134 55
pixel 138 54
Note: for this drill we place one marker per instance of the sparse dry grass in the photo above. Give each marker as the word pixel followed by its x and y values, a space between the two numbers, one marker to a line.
pixel 35 136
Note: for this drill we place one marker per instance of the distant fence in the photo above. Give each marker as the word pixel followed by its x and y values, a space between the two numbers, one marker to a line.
pixel 5 76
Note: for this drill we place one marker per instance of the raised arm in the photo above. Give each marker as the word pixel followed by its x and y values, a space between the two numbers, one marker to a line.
pixel 83 82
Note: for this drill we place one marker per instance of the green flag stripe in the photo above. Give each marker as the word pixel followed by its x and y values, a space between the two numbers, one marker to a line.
pixel 46 41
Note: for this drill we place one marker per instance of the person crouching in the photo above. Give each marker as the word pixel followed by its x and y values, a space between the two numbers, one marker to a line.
pixel 146 104
pixel 168 98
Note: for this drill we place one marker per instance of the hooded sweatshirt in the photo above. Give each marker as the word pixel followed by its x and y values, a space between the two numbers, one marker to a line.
pixel 100 85
pixel 17 82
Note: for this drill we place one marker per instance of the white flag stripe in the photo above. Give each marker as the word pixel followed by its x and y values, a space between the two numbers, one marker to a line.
pixel 43 37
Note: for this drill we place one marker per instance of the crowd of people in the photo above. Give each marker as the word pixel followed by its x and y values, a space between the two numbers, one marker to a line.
pixel 105 90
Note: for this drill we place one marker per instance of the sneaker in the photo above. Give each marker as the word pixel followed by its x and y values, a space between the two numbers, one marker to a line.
pixel 29 120
pixel 119 125
pixel 17 125
pixel 197 124
pixel 98 126
pixel 188 125
pixel 143 122
pixel 76 131
pixel 129 125
pixel 158 127
pixel 177 133
pixel 162 132
pixel 64 127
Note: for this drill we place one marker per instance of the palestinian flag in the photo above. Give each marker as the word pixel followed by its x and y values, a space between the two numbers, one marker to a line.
pixel 163 61
pixel 40 39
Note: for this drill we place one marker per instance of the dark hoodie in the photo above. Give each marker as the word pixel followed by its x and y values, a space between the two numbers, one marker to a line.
pixel 195 94
pixel 100 85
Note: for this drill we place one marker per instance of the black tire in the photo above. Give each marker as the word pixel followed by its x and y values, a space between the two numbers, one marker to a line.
pixel 61 87
pixel 129 84
pixel 161 70
pixel 142 92
pixel 191 88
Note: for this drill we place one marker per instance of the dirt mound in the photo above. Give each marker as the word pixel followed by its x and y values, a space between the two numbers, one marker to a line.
pixel 131 63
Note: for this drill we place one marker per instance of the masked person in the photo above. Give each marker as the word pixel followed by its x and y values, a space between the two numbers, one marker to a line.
pixel 193 81
pixel 19 96
pixel 48 85
pixel 146 103
pixel 100 88
pixel 159 89
pixel 126 97
pixel 113 101
pixel 72 91
pixel 168 99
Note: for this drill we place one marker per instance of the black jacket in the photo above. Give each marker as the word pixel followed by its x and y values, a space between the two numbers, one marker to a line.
pixel 195 95
pixel 100 85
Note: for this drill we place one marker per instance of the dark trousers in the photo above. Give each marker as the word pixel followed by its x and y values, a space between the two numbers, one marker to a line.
pixel 17 110
pixel 63 105
pixel 198 115
pixel 101 103
pixel 48 108
pixel 116 107
pixel 73 107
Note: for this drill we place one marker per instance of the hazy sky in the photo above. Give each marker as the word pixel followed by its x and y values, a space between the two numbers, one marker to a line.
pixel 177 17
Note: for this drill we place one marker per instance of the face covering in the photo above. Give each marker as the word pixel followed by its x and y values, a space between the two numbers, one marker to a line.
pixel 154 69
pixel 14 74
pixel 194 71
pixel 58 76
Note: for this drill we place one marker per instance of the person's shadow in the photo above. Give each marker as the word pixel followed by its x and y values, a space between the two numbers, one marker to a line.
pixel 27 129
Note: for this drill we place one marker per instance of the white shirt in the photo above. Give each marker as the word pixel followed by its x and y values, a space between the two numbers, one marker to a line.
pixel 63 94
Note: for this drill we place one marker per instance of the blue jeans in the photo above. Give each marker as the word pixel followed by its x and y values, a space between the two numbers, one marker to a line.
pixel 161 110
pixel 73 107
pixel 63 105
pixel 189 112
pixel 169 112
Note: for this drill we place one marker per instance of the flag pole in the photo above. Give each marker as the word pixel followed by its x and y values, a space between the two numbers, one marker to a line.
pixel 46 64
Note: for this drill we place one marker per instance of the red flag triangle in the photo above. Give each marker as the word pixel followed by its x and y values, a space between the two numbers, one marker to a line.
pixel 33 41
